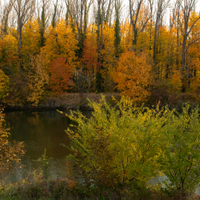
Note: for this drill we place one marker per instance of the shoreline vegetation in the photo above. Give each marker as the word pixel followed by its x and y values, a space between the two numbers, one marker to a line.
pixel 79 101
pixel 111 163
pixel 70 190
pixel 66 101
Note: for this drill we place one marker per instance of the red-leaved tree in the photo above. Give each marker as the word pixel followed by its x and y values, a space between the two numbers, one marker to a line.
pixel 61 76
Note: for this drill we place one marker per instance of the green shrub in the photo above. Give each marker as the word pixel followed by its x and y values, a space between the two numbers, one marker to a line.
pixel 181 149
pixel 124 144
pixel 117 144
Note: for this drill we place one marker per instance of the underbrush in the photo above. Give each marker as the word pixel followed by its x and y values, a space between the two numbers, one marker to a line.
pixel 70 189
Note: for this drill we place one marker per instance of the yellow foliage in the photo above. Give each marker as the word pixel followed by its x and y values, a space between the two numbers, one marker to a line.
pixel 11 43
pixel 4 81
pixel 126 36
pixel 108 57
pixel 176 81
pixel 166 54
pixel 38 77
pixel 31 38
pixel 61 42
pixel 8 51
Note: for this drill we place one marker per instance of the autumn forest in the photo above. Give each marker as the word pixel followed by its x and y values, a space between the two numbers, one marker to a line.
pixel 146 49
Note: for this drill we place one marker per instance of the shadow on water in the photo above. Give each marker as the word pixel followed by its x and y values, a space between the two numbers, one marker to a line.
pixel 40 130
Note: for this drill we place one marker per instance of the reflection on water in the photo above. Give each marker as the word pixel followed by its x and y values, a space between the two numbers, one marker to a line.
pixel 40 130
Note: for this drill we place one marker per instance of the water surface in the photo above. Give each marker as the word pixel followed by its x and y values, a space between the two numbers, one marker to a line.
pixel 40 130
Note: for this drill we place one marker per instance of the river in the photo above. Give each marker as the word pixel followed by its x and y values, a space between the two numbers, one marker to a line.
pixel 39 130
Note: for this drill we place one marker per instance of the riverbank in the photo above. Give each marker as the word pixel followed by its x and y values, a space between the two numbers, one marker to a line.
pixel 75 101
pixel 65 101
pixel 70 189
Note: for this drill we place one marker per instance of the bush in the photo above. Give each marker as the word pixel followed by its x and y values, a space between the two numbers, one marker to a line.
pixel 117 144
pixel 180 150
pixel 130 145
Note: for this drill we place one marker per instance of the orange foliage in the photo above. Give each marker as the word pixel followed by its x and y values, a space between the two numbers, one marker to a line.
pixel 133 76
pixel 90 58
pixel 90 53
pixel 61 75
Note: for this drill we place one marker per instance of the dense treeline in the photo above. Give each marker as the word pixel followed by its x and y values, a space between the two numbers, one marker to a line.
pixel 88 46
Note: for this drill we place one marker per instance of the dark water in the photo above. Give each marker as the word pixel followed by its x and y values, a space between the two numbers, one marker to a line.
pixel 39 131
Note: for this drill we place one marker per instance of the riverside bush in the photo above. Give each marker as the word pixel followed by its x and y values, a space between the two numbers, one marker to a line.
pixel 117 145
pixel 181 149
pixel 124 144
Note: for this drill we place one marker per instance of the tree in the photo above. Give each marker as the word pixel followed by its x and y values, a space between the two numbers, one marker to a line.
pixel 24 11
pixel 133 76
pixel 135 12
pixel 134 17
pixel 126 36
pixel 118 6
pixel 193 57
pixel 4 81
pixel 90 58
pixel 161 6
pixel 165 54
pixel 56 14
pixel 31 39
pixel 102 16
pixel 80 15
pixel 4 17
pixel 61 42
pixel 38 78
pixel 108 59
pixel 186 8
pixel 61 76
pixel 8 54
pixel 43 19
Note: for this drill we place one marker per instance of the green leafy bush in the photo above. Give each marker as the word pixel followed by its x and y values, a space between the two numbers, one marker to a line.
pixel 124 144
pixel 181 149
pixel 117 144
